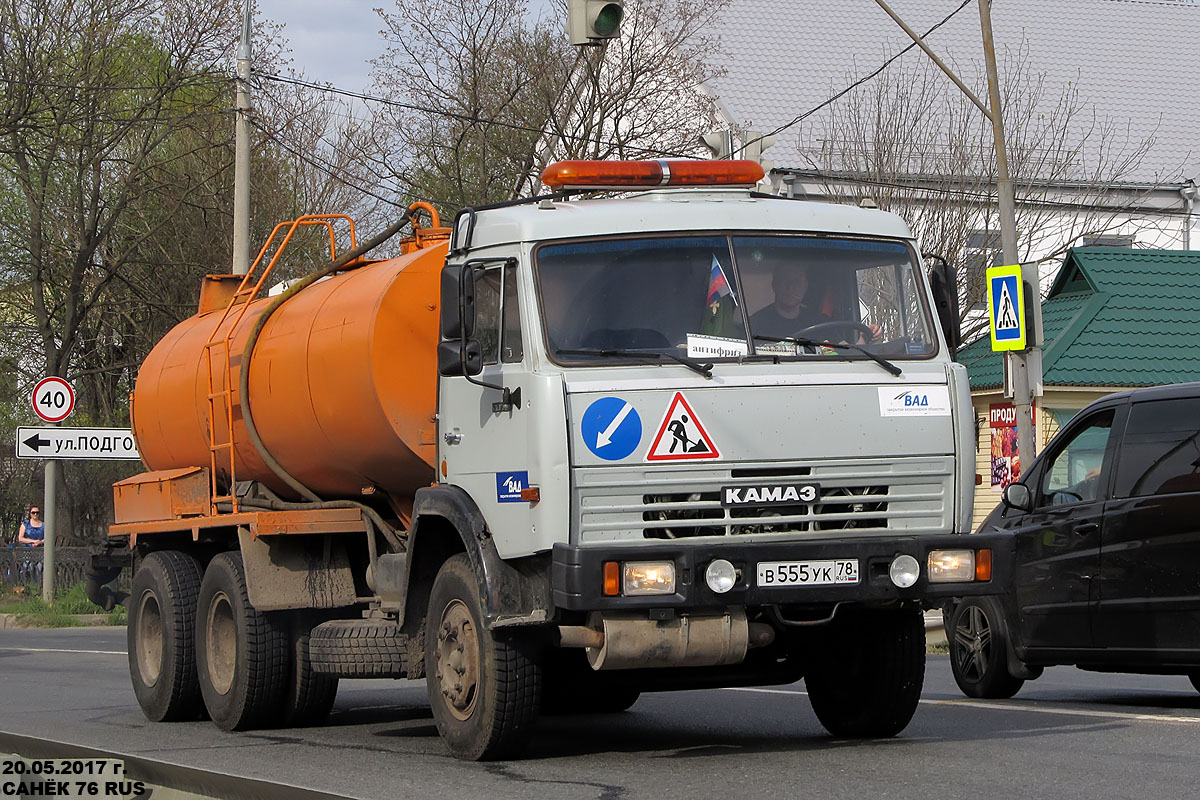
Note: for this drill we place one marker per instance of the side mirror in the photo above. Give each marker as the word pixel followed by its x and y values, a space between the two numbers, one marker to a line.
pixel 943 282
pixel 458 352
pixel 458 302
pixel 460 358
pixel 1018 496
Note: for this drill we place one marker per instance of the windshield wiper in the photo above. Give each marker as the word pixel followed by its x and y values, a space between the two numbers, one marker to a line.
pixel 883 362
pixel 690 363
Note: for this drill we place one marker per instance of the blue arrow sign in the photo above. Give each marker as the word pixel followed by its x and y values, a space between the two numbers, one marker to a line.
pixel 611 428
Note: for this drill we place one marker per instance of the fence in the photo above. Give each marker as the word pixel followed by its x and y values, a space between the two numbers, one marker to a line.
pixel 22 566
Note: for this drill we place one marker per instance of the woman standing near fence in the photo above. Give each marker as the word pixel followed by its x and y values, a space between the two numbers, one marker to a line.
pixel 33 530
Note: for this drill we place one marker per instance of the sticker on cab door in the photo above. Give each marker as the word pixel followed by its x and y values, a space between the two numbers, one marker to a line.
pixel 611 428
pixel 509 486
pixel 915 401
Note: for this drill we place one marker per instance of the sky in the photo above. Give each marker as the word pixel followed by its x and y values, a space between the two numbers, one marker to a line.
pixel 332 42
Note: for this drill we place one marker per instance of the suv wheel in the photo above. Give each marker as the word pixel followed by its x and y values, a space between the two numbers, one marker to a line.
pixel 979 651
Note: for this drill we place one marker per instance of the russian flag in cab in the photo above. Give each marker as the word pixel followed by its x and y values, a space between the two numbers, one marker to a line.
pixel 718 286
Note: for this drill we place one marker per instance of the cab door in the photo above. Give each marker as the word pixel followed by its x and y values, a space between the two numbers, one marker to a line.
pixel 1058 542
pixel 485 441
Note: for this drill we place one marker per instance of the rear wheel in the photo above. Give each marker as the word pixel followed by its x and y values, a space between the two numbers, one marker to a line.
pixel 161 636
pixel 309 695
pixel 483 688
pixel 865 678
pixel 242 653
pixel 979 651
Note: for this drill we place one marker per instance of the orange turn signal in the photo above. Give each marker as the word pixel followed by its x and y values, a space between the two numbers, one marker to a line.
pixel 531 495
pixel 983 565
pixel 612 578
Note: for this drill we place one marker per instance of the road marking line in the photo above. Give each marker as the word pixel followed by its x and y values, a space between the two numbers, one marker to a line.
pixel 63 650
pixel 1070 712
pixel 965 703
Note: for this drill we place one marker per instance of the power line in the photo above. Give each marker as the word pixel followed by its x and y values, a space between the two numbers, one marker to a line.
pixel 801 117
pixel 461 116
pixel 326 168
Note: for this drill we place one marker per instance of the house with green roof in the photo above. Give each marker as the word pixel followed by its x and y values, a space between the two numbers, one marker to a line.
pixel 1114 319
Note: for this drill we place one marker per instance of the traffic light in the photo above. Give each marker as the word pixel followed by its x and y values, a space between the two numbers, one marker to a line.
pixel 756 142
pixel 590 22
pixel 719 143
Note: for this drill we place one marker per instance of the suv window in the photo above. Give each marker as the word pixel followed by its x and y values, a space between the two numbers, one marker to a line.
pixel 1160 453
pixel 1073 473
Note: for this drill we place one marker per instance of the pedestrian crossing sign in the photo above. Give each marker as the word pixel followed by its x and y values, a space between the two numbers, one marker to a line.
pixel 1006 307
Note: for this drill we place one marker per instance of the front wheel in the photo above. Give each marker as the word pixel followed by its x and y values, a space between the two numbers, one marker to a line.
pixel 865 675
pixel 979 651
pixel 484 689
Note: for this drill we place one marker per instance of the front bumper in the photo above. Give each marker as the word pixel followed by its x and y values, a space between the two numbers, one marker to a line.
pixel 577 577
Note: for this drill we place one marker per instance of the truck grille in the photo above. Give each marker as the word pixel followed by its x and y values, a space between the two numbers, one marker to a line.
pixel 906 494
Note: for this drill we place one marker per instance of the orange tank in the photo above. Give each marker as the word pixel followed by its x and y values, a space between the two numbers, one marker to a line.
pixel 343 383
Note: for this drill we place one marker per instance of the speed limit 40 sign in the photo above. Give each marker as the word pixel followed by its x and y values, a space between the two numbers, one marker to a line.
pixel 53 399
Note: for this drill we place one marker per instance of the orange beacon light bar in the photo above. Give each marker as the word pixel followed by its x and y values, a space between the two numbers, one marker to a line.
pixel 650 174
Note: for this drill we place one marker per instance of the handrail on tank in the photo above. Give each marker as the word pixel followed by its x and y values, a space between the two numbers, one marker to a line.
pixel 435 220
pixel 245 295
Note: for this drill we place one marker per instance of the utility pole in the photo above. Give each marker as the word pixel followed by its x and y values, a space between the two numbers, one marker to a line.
pixel 49 520
pixel 241 154
pixel 1017 360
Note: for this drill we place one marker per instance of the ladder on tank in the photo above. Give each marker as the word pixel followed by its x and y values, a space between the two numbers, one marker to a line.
pixel 218 363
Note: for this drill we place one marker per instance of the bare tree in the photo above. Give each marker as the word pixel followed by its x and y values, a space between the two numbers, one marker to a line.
pixel 919 148
pixel 486 95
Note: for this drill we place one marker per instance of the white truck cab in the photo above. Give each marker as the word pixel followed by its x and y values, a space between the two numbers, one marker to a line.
pixel 727 424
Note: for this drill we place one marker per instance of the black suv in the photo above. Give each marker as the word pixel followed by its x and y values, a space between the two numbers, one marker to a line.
pixel 1107 574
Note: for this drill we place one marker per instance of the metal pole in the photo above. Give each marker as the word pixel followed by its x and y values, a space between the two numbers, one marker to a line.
pixel 241 154
pixel 48 517
pixel 916 37
pixel 1022 398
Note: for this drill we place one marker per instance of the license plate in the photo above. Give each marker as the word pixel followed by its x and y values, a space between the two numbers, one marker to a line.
pixel 808 573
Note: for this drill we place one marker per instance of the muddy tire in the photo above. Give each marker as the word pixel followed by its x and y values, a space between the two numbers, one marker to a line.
pixel 978 641
pixel 865 678
pixel 161 636
pixel 484 688
pixel 309 695
pixel 241 653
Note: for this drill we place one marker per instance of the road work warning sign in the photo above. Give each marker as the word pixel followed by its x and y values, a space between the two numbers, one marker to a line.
pixel 1006 307
pixel 681 436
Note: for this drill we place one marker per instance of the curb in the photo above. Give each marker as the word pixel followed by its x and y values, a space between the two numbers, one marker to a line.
pixel 11 621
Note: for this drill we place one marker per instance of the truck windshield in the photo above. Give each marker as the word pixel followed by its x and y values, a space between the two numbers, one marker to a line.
pixel 732 297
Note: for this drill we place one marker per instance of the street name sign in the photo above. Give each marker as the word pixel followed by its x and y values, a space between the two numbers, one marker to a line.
pixel 53 399
pixel 1006 307
pixel 109 444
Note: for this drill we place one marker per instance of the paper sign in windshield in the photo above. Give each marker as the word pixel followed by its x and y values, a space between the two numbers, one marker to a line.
pixel 701 346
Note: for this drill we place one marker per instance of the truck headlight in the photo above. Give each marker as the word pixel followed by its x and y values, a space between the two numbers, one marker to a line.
pixel 951 566
pixel 648 577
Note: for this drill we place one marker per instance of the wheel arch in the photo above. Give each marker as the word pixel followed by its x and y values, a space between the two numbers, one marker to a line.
pixel 446 521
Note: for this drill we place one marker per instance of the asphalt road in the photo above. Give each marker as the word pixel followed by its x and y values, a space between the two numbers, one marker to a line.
pixel 1069 734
